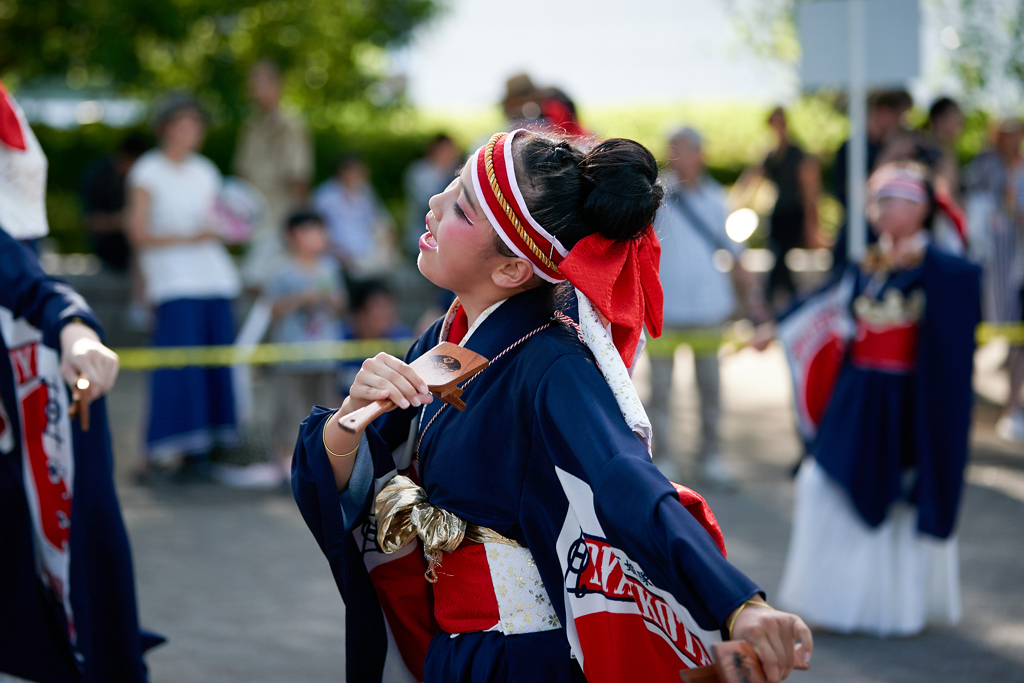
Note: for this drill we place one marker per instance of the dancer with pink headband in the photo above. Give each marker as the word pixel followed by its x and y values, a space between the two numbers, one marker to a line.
pixel 882 360
pixel 586 563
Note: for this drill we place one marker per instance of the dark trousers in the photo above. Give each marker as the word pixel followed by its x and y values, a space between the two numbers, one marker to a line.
pixel 787 232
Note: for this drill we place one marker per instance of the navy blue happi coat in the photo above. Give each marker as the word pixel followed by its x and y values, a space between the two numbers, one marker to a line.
pixel 897 425
pixel 67 593
pixel 630 579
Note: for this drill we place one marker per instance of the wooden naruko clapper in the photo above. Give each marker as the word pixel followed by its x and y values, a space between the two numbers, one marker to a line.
pixel 442 368
pixel 734 662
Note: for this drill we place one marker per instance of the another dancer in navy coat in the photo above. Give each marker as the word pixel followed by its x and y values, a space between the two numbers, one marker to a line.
pixel 874 545
pixel 550 548
pixel 81 625
pixel 67 596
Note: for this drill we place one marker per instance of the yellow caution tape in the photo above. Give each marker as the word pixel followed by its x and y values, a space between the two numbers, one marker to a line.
pixel 1013 333
pixel 151 358
pixel 703 342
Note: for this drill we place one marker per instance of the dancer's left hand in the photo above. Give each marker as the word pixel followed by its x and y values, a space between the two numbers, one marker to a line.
pixel 781 640
pixel 84 356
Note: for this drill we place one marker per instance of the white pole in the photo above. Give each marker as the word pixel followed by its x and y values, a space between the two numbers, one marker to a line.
pixel 856 157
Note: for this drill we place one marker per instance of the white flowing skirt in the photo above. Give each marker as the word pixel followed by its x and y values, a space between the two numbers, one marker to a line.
pixel 847 577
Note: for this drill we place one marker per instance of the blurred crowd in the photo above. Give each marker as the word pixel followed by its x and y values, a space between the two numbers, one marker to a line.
pixel 311 254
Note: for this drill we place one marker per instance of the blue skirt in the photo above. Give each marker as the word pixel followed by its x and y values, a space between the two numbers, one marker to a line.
pixel 191 409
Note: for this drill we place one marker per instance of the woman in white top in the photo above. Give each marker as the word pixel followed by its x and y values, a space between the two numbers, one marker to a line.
pixel 190 279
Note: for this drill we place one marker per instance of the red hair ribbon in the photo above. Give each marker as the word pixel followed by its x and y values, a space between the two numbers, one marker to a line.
pixel 10 127
pixel 621 278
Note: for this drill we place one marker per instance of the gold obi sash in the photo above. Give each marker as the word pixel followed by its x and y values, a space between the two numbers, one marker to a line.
pixel 403 513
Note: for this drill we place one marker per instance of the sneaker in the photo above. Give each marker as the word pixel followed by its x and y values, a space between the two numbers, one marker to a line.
pixel 1011 427
pixel 714 470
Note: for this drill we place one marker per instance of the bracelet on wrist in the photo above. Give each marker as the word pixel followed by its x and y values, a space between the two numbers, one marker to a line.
pixel 736 616
pixel 328 448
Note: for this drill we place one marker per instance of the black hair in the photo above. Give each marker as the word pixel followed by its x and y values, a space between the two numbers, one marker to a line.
pixel 301 217
pixel 440 138
pixel 268 65
pixel 174 104
pixel 776 110
pixel 612 189
pixel 940 108
pixel 347 160
pixel 893 100
pixel 361 292
pixel 134 145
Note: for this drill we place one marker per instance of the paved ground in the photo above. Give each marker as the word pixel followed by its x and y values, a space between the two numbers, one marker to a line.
pixel 238 585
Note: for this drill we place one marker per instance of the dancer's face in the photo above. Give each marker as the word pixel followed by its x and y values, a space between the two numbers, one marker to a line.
pixel 457 250
pixel 897 217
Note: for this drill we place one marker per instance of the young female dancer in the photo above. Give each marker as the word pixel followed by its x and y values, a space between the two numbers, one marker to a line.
pixel 555 549
pixel 873 545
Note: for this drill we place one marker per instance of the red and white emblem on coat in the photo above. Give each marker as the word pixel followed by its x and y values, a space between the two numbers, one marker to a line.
pixel 620 625
pixel 815 338
pixel 46 451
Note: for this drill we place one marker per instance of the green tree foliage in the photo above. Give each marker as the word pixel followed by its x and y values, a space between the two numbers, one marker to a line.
pixel 330 50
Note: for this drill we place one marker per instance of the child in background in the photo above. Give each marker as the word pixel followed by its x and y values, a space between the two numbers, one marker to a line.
pixel 308 297
pixel 373 316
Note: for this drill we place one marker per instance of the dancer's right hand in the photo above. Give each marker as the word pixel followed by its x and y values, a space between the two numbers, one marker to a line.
pixel 781 640
pixel 382 377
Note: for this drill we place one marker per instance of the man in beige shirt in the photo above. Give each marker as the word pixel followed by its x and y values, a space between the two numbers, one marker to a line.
pixel 275 154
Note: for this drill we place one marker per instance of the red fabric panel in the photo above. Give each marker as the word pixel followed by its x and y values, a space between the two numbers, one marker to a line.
pixel 406 599
pixel 890 348
pixel 54 497
pixel 629 647
pixel 820 380
pixel 10 128
pixel 464 597
pixel 699 508
pixel 459 327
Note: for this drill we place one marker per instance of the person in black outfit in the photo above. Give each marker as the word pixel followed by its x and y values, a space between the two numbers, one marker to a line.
pixel 793 223
pixel 103 201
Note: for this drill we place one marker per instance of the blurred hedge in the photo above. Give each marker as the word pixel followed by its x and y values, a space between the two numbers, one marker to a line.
pixel 735 135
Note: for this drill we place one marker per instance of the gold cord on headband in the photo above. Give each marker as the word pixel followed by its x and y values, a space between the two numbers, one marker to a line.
pixel 493 181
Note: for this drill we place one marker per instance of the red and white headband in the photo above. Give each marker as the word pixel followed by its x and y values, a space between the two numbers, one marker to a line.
pixel 898 182
pixel 494 180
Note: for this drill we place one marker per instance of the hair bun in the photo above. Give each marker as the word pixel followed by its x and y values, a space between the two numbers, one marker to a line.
pixel 620 181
